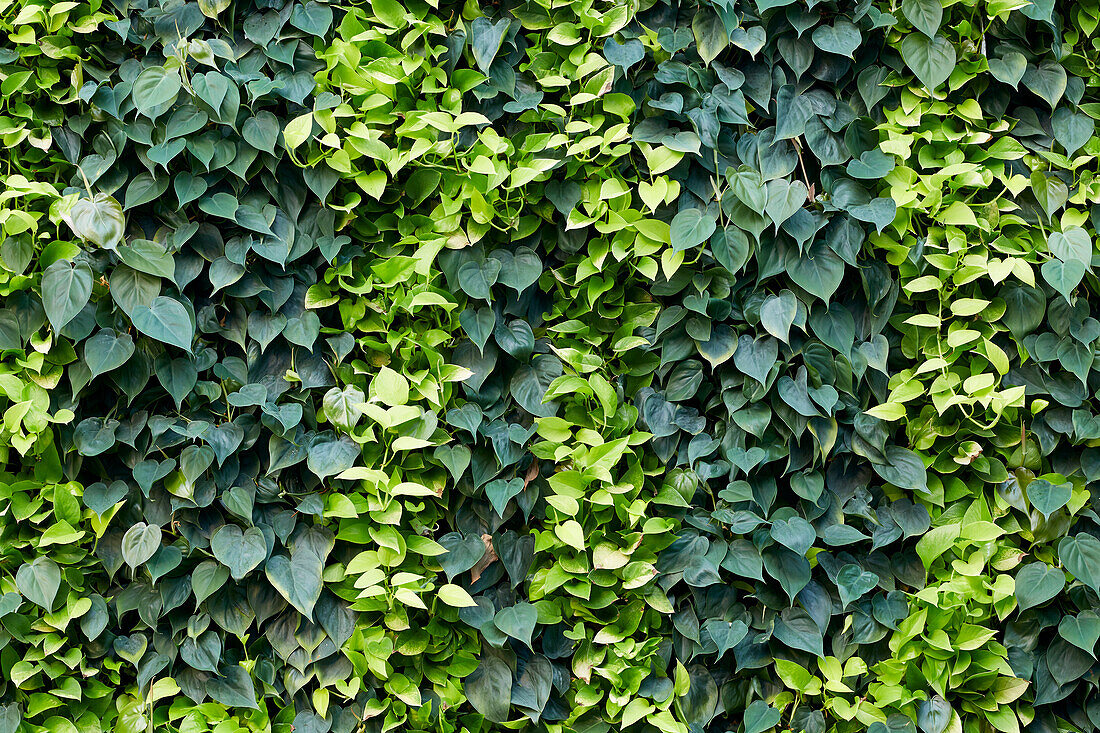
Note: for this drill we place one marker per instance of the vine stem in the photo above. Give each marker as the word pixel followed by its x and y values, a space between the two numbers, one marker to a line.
pixel 87 185
pixel 802 164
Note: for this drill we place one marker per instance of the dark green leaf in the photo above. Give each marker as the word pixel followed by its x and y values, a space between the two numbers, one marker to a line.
pixel 66 288
pixel 1037 583
pixel 237 550
pixel 931 59
pixel 165 320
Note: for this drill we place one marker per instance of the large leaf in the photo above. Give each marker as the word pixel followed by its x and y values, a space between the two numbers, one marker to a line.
pixel 98 220
pixel 39 580
pixel 107 350
pixel 66 288
pixel 931 59
pixel 238 550
pixel 925 15
pixel 690 228
pixel 154 87
pixel 140 543
pixel 1037 583
pixel 166 320
pixel 489 688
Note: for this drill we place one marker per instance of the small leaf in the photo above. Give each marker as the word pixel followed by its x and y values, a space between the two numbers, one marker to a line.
pixel 298 130
pixel 455 596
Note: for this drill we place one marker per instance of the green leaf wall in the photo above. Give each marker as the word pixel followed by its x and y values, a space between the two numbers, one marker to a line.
pixel 567 366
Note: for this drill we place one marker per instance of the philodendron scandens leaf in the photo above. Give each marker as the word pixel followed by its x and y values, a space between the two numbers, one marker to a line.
pixel 676 367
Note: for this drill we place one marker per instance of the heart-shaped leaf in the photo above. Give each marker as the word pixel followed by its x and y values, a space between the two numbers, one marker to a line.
pixel 99 497
pixel 517 621
pixel 519 269
pixel 501 491
pixel 934 715
pixel 720 347
pixel 107 350
pixel 854 582
pixel 1037 583
pixel 690 228
pixel 463 552
pixel 329 455
pixel 1071 244
pixel 784 198
pixel 131 648
pixel 478 323
pixel 297 578
pixel 167 321
pixel 1049 497
pixel 1072 130
pixel 1082 630
pixel 1063 276
pixel 154 87
pixel 1009 69
pixel 931 59
pixel 759 717
pixel 1048 80
pixel 842 38
pixel 98 220
pixel 66 288
pixel 795 533
pixel 240 551
pixel 39 581
pixel 140 543
pixel 925 15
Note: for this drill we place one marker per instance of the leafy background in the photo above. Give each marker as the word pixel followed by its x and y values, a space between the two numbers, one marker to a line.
pixel 570 366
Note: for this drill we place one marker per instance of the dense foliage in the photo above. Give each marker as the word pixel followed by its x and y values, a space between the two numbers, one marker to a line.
pixel 568 366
